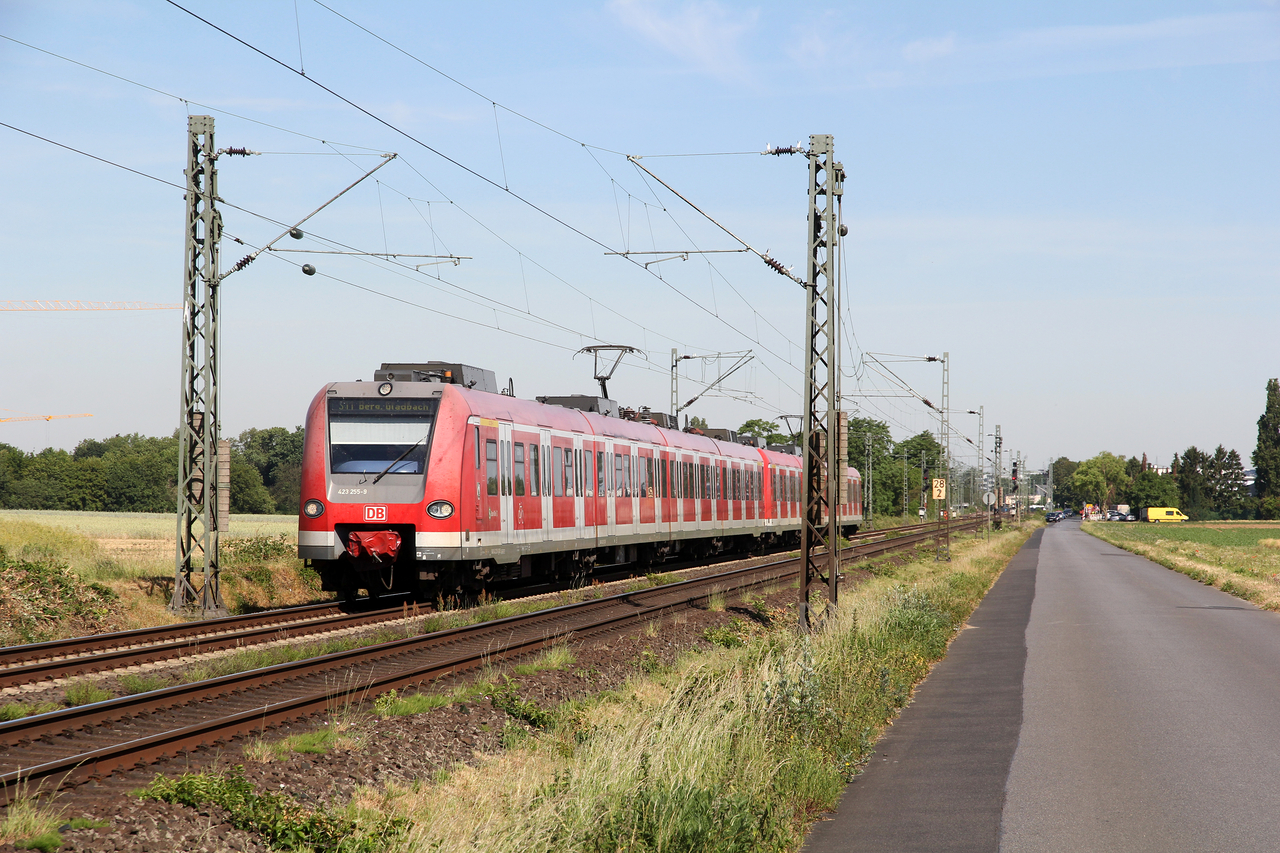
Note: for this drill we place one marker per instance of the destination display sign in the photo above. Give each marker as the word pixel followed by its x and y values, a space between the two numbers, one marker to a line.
pixel 383 406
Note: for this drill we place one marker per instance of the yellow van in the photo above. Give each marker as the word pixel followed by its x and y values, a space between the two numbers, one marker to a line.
pixel 1165 513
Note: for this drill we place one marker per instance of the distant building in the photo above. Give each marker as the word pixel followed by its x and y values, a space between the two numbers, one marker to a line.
pixel 1251 481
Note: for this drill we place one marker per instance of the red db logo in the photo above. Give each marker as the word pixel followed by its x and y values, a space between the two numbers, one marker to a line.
pixel 375 513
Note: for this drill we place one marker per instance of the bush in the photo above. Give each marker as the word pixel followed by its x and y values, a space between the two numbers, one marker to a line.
pixel 42 599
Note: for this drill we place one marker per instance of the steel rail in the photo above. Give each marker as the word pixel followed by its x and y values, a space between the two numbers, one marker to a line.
pixel 476 645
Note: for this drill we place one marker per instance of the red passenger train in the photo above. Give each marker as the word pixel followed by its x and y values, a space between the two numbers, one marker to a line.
pixel 427 481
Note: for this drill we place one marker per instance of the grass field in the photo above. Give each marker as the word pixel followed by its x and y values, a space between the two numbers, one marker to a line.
pixel 146 525
pixel 1242 559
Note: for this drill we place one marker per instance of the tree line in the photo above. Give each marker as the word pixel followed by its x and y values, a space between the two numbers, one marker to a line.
pixel 1205 485
pixel 136 473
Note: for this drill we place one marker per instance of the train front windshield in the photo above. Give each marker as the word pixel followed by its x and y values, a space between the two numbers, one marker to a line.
pixel 375 435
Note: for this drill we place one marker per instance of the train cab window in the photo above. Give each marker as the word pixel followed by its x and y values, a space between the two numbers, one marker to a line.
pixel 520 475
pixel 491 465
pixel 386 435
pixel 477 429
pixel 557 456
pixel 534 470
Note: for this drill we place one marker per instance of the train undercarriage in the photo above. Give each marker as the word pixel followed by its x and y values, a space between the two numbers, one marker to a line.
pixel 365 572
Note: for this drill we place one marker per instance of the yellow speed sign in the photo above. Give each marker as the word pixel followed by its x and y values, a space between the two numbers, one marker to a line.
pixel 939 489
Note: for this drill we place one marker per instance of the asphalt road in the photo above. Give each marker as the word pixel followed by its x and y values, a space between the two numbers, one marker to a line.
pixel 1098 702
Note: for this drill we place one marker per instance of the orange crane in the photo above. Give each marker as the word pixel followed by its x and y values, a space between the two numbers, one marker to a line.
pixel 41 418
pixel 77 305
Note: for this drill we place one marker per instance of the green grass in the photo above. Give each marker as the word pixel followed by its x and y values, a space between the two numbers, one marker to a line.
pixel 85 693
pixel 559 656
pixel 18 710
pixel 317 742
pixel 1235 537
pixel 133 683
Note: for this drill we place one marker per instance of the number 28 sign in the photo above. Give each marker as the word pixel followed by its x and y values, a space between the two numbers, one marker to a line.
pixel 939 489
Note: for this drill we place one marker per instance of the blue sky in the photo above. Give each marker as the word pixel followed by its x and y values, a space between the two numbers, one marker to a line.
pixel 1077 201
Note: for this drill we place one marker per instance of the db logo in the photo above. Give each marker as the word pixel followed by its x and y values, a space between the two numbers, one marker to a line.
pixel 375 513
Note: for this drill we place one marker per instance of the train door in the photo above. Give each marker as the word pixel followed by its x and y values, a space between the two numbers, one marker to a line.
pixel 489 498
pixel 718 491
pixel 506 507
pixel 525 484
pixel 543 464
pixel 704 491
pixel 610 490
pixel 644 462
pixel 593 456
pixel 579 484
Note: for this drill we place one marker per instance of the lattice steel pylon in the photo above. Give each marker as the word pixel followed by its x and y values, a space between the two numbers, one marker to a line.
pixel 823 468
pixel 944 540
pixel 201 495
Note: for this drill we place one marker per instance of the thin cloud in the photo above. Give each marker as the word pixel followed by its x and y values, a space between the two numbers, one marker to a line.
pixel 1188 41
pixel 703 33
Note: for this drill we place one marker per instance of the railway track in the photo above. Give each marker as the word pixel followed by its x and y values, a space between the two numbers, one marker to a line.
pixel 84 655
pixel 71 746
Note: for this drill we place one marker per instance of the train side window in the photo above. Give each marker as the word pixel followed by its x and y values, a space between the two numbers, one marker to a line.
pixel 600 485
pixel 568 472
pixel 626 476
pixel 519 457
pixel 557 456
pixel 577 472
pixel 477 448
pixel 491 464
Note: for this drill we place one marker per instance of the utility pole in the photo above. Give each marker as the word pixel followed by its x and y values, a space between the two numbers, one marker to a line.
pixel 204 475
pixel 203 495
pixel 944 546
pixel 824 438
pixel 904 488
pixel 868 504
pixel 996 472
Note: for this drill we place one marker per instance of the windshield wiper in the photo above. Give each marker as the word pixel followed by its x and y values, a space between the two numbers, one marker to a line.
pixel 397 460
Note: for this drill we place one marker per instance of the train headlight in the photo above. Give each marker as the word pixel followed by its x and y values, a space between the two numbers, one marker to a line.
pixel 384 389
pixel 440 509
pixel 313 508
